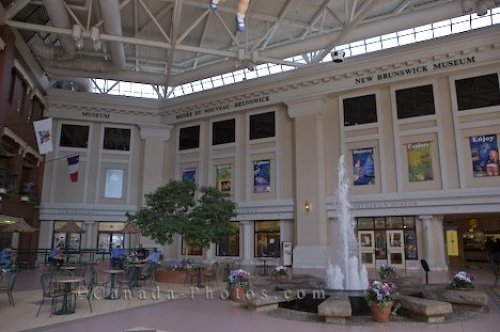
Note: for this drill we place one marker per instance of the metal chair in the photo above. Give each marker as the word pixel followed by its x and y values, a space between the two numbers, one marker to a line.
pixel 191 276
pixel 87 291
pixel 49 291
pixel 10 287
pixel 209 273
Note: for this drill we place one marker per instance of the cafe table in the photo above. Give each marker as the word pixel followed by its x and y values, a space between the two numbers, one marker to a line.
pixel 264 266
pixel 67 281
pixel 112 273
pixel 136 272
pixel 71 269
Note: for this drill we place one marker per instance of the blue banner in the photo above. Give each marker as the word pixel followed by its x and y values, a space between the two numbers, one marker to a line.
pixel 363 170
pixel 261 176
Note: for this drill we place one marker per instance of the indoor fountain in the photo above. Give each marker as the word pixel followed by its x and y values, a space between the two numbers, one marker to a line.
pixel 344 271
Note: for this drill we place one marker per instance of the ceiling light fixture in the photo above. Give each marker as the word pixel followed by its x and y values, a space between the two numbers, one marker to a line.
pixel 338 56
pixel 96 39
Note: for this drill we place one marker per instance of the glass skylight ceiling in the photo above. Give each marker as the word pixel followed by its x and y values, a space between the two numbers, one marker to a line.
pixel 400 38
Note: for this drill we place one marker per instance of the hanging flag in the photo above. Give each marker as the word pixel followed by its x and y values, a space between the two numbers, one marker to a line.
pixel 43 134
pixel 73 167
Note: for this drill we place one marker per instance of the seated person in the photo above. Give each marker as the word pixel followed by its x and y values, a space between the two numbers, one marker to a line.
pixel 55 256
pixel 117 255
pixel 5 259
pixel 153 258
pixel 141 253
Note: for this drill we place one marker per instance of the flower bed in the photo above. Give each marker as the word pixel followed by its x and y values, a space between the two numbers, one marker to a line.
pixel 172 276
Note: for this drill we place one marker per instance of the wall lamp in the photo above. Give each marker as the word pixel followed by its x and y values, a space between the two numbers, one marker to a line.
pixel 307 206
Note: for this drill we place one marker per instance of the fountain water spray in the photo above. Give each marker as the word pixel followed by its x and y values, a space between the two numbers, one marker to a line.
pixel 344 270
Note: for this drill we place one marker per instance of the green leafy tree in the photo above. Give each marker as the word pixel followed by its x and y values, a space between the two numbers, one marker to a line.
pixel 171 209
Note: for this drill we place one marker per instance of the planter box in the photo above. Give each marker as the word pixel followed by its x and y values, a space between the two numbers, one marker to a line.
pixel 170 276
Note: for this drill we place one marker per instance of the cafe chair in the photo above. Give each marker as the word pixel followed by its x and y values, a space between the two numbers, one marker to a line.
pixel 97 283
pixel 85 291
pixel 8 289
pixel 149 274
pixel 209 273
pixel 49 291
pixel 124 281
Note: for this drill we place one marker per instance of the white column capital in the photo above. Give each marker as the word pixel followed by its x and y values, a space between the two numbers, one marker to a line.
pixel 306 106
pixel 153 131
pixel 431 217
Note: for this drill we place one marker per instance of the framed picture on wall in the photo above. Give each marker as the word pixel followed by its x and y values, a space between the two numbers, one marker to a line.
pixel 419 162
pixel 363 170
pixel 484 155
pixel 261 176
pixel 224 178
pixel 189 174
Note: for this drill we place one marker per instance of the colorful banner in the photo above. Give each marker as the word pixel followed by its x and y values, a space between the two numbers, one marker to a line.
pixel 363 170
pixel 484 154
pixel 419 162
pixel 43 134
pixel 261 176
pixel 189 174
pixel 224 178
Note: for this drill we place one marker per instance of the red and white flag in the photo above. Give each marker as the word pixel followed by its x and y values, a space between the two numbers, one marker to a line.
pixel 73 167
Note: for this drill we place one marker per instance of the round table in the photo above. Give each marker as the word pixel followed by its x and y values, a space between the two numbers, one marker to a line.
pixel 113 274
pixel 67 281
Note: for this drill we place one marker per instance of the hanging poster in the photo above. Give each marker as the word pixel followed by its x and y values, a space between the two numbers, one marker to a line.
pixel 419 162
pixel 261 176
pixel 363 171
pixel 484 154
pixel 224 178
pixel 189 174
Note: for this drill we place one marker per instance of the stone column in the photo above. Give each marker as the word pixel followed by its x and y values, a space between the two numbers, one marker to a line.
pixel 433 240
pixel 246 231
pixel 311 249
pixel 153 162
pixel 210 253
pixel 90 234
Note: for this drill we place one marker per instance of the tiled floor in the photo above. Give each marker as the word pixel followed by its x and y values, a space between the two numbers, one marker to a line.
pixel 186 313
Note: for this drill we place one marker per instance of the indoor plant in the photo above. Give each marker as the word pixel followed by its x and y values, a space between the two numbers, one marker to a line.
pixel 381 297
pixel 462 280
pixel 280 272
pixel 238 283
pixel 387 272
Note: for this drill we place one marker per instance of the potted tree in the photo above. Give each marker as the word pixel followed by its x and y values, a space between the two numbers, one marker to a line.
pixel 172 209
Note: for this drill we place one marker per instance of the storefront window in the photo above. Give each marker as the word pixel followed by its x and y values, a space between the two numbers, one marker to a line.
pixel 109 236
pixel 365 223
pixel 394 222
pixel 380 223
pixel 267 239
pixel 230 245
pixel 382 226
pixel 70 242
pixel 192 251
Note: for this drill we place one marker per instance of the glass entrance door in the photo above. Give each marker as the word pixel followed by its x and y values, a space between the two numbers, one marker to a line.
pixel 395 249
pixel 366 248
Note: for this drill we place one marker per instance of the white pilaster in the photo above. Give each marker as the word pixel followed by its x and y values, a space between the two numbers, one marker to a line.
pixel 246 231
pixel 154 137
pixel 434 249
pixel 310 223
